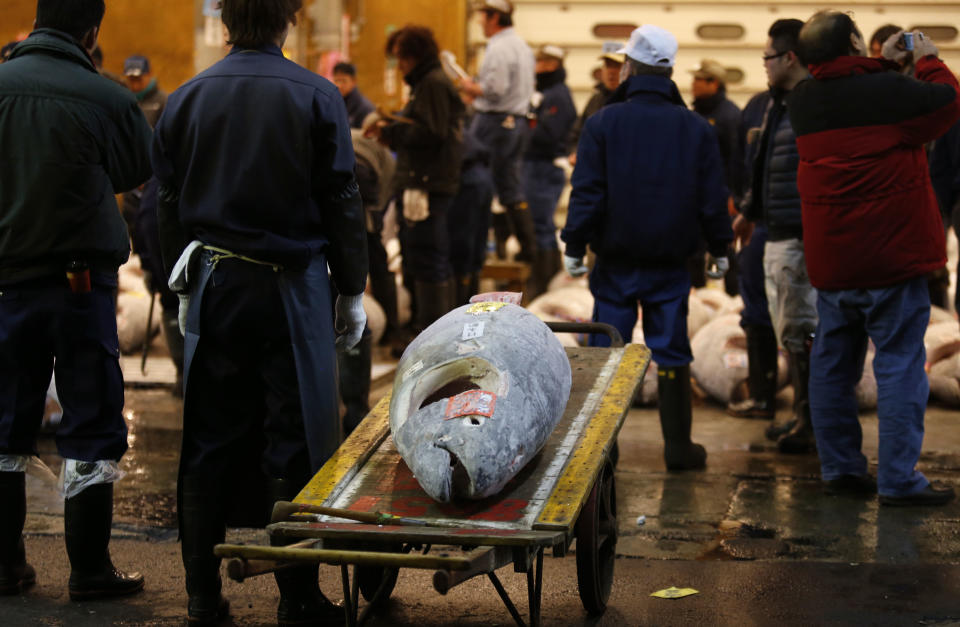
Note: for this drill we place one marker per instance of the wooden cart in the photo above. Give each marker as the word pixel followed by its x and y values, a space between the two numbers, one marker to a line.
pixel 566 493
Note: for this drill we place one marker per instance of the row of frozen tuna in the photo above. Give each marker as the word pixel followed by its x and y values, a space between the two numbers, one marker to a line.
pixel 720 351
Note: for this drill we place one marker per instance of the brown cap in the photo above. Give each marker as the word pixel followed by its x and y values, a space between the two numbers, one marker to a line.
pixel 711 69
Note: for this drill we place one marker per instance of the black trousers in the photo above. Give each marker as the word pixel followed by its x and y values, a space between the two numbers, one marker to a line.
pixel 242 408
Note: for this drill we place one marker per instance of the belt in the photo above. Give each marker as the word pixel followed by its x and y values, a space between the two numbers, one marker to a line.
pixel 219 254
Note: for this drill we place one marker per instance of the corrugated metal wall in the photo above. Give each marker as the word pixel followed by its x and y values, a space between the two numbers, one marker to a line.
pixel 573 25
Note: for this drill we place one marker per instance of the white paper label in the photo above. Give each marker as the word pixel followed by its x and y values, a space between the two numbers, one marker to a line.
pixel 472 330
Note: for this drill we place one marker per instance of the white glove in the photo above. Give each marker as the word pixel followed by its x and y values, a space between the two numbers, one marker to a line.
pixel 350 321
pixel 416 205
pixel 717 267
pixel 182 313
pixel 574 266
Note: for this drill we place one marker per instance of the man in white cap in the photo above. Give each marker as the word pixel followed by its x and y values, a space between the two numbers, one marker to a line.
pixel 503 90
pixel 649 180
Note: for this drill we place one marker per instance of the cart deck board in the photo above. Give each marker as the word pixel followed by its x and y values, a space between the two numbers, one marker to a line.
pixel 367 473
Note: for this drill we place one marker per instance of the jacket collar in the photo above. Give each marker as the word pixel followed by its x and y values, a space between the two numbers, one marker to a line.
pixel 850 66
pixel 422 69
pixel 708 104
pixel 55 42
pixel 643 84
pixel 273 49
pixel 546 80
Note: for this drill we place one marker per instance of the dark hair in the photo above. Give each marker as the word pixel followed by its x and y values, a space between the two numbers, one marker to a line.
pixel 783 34
pixel 636 68
pixel 413 42
pixel 826 36
pixel 73 17
pixel 503 19
pixel 254 23
pixel 345 68
pixel 883 33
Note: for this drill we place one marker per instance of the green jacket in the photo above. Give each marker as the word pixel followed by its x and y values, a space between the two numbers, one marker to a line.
pixel 69 140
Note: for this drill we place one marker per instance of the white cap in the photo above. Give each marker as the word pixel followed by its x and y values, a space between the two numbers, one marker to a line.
pixel 504 6
pixel 651 45
pixel 550 51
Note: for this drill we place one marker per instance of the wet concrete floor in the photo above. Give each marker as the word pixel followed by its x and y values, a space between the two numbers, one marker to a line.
pixel 754 532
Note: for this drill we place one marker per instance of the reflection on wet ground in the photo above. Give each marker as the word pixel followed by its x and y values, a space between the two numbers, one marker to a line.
pixel 751 503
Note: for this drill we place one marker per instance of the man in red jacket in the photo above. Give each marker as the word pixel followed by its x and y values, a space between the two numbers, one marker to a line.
pixel 872 231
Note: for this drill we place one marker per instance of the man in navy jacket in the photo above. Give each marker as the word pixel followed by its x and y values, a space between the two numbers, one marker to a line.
pixel 649 181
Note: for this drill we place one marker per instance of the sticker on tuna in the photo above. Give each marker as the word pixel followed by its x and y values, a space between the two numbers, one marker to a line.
pixel 472 330
pixel 471 403
pixel 480 308
pixel 514 298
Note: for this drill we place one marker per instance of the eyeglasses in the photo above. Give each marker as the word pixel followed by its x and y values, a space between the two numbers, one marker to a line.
pixel 768 57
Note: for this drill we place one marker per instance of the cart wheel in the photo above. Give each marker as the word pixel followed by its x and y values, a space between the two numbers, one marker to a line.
pixel 370 578
pixel 596 532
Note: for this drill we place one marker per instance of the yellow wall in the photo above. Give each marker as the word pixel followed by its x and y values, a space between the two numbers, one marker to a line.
pixel 447 18
pixel 163 31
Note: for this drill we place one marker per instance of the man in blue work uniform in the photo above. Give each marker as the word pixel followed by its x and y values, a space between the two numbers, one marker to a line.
pixel 503 90
pixel 257 197
pixel 543 180
pixel 79 138
pixel 649 180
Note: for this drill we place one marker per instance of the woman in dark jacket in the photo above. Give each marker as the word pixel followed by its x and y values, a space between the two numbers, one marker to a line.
pixel 428 139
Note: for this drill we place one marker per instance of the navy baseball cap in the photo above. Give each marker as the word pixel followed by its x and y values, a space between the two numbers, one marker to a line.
pixel 136 66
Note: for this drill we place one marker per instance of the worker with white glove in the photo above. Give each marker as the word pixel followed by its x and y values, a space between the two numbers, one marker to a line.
pixel 574 266
pixel 259 312
pixel 351 319
pixel 642 201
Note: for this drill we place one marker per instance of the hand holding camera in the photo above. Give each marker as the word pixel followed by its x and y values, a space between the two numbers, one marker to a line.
pixel 907 45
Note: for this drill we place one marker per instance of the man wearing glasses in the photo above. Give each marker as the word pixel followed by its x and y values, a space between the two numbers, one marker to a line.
pixel 774 200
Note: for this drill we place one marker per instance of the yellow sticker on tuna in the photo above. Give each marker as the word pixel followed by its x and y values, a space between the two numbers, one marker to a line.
pixel 486 307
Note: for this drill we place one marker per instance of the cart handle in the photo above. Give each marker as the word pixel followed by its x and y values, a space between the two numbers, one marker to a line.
pixel 589 327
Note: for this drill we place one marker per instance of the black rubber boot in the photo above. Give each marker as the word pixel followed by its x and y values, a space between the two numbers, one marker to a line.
pixel 761 375
pixel 799 439
pixel 463 288
pixel 201 528
pixel 501 233
pixel 16 575
pixel 546 264
pixel 353 367
pixel 384 288
pixel 87 519
pixel 676 420
pixel 301 601
pixel 434 300
pixel 523 228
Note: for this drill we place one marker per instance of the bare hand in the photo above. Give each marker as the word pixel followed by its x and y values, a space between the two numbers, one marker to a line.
pixel 742 230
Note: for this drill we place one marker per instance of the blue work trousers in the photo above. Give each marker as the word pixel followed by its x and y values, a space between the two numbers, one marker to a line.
pixel 750 281
pixel 543 184
pixel 895 318
pixel 662 294
pixel 469 220
pixel 505 136
pixel 44 327
pixel 426 244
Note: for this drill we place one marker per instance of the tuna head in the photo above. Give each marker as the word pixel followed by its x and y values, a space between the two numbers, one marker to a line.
pixel 468 414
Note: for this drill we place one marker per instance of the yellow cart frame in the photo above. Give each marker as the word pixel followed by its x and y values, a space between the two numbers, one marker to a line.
pixel 566 493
